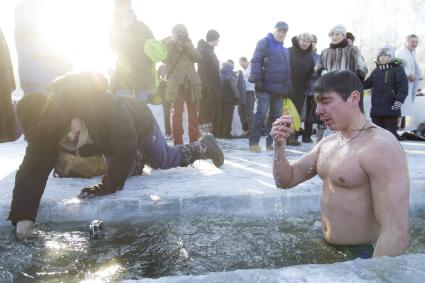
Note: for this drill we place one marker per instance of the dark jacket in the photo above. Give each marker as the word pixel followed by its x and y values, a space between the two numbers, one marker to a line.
pixel 302 67
pixel 133 68
pixel 229 90
pixel 208 67
pixel 310 89
pixel 116 126
pixel 7 86
pixel 277 74
pixel 389 84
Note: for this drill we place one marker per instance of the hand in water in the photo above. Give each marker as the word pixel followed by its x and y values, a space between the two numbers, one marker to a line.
pixel 24 228
pixel 281 129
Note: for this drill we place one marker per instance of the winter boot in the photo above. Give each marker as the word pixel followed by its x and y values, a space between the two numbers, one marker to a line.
pixel 205 148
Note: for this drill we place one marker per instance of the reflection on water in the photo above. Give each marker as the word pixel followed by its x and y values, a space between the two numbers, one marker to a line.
pixel 167 247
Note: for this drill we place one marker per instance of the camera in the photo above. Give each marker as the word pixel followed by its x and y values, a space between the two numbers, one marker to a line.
pixel 96 229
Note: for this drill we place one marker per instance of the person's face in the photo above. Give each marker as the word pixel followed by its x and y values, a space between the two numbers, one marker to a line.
pixel 304 43
pixel 350 41
pixel 313 44
pixel 384 59
pixel 244 64
pixel 412 43
pixel 74 130
pixel 279 34
pixel 336 113
pixel 336 37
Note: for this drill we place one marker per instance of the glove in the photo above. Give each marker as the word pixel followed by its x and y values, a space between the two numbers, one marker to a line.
pixel 324 72
pixel 94 191
pixel 396 106
pixel 259 86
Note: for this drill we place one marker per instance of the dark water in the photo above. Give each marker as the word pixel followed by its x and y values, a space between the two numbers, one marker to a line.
pixel 167 247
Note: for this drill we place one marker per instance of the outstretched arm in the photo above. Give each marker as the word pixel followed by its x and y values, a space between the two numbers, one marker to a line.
pixel 390 194
pixel 288 175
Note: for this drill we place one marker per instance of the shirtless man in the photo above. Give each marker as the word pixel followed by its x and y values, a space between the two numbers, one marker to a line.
pixel 365 196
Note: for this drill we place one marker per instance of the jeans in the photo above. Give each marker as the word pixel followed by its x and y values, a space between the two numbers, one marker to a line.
pixel 157 153
pixel 265 102
pixel 141 94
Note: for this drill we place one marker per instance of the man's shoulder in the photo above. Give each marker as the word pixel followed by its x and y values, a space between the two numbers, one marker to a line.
pixel 379 143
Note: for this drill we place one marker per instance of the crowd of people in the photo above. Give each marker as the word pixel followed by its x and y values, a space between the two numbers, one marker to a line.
pixel 86 114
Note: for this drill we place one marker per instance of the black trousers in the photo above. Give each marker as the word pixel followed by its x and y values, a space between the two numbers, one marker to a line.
pixel 226 118
pixel 387 122
pixel 310 116
pixel 246 112
pixel 208 106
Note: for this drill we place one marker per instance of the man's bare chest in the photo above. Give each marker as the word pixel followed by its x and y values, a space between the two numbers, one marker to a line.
pixel 341 166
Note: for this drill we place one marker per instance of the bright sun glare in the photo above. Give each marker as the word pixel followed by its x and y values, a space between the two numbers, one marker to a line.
pixel 79 28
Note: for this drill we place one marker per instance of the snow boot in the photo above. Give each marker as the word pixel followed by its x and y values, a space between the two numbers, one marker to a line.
pixel 205 148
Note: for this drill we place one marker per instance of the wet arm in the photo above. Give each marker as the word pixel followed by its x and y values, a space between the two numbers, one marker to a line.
pixel 288 175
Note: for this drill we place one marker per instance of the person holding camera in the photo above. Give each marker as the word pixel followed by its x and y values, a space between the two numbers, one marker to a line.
pixel 183 83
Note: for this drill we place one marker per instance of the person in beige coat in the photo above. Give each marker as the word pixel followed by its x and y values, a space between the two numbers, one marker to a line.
pixel 183 83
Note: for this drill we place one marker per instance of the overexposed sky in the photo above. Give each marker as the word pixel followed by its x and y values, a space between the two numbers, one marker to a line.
pixel 80 27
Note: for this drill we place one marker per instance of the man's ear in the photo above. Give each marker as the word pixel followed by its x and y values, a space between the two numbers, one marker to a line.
pixel 355 97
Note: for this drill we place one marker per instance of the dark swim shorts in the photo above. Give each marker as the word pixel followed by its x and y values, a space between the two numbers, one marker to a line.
pixel 354 251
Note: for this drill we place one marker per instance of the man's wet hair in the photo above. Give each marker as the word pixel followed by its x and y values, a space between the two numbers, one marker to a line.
pixel 341 82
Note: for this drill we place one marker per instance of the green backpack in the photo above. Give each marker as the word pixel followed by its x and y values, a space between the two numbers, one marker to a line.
pixel 156 52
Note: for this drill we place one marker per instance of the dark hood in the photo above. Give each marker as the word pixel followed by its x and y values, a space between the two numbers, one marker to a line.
pixel 226 71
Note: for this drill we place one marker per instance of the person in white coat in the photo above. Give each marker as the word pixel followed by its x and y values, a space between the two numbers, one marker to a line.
pixel 407 55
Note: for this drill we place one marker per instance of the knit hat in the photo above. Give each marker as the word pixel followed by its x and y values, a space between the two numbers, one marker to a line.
pixel 212 35
pixel 387 50
pixel 281 25
pixel 338 28
pixel 179 29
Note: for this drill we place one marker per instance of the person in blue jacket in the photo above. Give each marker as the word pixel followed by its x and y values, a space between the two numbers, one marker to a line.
pixel 271 74
pixel 389 90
